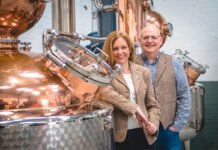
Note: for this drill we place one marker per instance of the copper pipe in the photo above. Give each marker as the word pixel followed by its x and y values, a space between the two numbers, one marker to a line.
pixel 147 5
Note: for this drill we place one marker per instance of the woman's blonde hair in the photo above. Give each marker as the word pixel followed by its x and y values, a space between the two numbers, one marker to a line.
pixel 108 46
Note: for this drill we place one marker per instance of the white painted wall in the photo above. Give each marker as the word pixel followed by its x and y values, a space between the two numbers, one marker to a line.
pixel 195 29
pixel 86 22
pixel 86 18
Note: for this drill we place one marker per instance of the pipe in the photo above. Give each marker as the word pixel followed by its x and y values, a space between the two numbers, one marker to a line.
pixel 148 5
pixel 46 1
pixel 63 15
pixel 106 8
pixel 73 35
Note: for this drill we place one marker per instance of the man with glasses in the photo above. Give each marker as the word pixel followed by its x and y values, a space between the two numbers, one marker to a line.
pixel 170 86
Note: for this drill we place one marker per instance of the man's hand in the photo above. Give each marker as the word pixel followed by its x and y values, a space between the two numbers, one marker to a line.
pixel 173 129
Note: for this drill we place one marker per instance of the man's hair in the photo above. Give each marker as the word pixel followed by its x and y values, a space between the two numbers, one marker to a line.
pixel 155 25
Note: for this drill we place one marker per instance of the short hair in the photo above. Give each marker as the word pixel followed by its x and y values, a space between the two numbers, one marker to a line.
pixel 108 46
pixel 154 25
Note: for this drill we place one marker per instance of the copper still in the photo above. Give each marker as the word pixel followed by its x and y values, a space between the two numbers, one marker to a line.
pixel 192 68
pixel 134 15
pixel 43 95
pixel 25 82
pixel 35 81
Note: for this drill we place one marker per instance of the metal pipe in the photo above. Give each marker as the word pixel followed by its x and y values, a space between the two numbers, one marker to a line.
pixel 63 15
pixel 55 14
pixel 74 35
pixel 106 8
pixel 46 1
pixel 95 38
pixel 148 5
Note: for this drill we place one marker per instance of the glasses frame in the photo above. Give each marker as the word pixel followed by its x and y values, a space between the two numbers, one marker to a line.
pixel 153 38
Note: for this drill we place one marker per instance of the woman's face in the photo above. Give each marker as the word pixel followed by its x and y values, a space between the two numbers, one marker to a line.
pixel 121 51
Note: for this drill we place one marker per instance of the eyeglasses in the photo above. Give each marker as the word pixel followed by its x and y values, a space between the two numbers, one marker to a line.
pixel 153 38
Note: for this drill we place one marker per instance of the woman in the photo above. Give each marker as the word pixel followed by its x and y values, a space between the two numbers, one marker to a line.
pixel 135 110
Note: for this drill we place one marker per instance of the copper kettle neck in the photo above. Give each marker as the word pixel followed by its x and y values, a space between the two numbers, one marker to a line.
pixel 8 43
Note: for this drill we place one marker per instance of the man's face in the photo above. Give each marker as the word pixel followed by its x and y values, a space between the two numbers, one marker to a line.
pixel 150 39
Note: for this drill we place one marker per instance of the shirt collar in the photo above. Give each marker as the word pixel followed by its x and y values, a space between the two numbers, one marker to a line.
pixel 146 60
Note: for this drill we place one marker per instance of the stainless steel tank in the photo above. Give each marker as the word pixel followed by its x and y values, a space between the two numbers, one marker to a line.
pixel 45 104
pixel 196 120
pixel 84 131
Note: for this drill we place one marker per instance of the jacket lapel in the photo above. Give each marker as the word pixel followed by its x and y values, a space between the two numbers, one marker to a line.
pixel 136 76
pixel 161 67
pixel 139 60
pixel 121 79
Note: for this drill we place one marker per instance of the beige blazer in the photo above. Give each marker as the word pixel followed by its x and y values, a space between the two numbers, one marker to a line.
pixel 118 94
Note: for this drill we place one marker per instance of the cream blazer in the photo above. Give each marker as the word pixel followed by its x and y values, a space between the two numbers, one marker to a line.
pixel 117 95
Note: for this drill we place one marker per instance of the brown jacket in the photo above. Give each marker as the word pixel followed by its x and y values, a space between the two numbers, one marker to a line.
pixel 165 88
pixel 118 94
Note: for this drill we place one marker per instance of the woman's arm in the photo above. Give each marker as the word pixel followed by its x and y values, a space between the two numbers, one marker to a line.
pixel 110 95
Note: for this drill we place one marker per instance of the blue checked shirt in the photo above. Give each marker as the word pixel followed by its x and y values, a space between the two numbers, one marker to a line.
pixel 182 90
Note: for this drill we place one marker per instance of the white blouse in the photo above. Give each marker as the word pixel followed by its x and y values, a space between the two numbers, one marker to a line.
pixel 132 121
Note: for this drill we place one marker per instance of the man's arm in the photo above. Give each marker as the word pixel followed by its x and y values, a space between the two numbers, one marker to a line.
pixel 183 96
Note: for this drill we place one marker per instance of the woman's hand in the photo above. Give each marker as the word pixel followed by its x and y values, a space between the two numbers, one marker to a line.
pixel 141 117
pixel 151 128
pixel 144 123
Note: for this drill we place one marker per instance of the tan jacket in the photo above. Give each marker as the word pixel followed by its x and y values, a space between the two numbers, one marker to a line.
pixel 165 86
pixel 118 94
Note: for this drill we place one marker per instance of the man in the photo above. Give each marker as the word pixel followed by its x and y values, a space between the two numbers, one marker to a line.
pixel 170 86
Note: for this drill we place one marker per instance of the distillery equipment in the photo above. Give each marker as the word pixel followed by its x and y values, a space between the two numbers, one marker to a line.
pixel 196 121
pixel 133 15
pixel 192 68
pixel 46 101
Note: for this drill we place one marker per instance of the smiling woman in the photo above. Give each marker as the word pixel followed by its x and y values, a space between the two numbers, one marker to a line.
pixel 131 96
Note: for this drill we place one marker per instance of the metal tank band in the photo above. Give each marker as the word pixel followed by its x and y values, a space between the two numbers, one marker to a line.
pixel 77 59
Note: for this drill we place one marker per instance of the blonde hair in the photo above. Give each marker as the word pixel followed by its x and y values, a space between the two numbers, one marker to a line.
pixel 108 46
